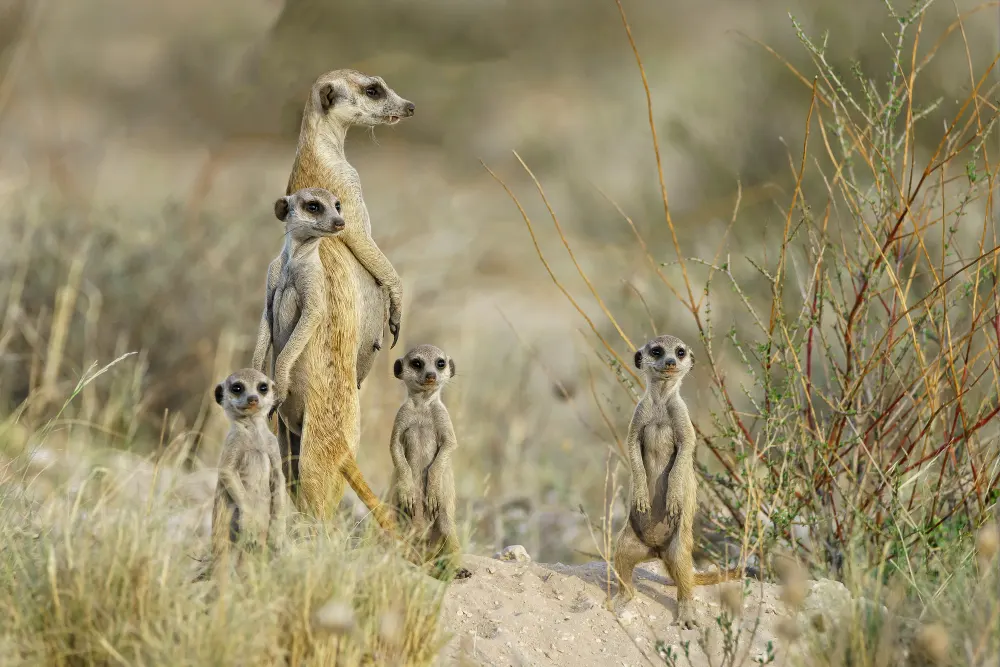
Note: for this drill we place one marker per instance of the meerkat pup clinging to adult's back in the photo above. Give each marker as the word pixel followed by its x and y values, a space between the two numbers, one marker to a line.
pixel 294 308
pixel 250 494
pixel 661 445
pixel 422 443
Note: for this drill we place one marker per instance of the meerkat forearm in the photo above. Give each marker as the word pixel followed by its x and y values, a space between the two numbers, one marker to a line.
pixel 263 344
pixel 308 322
pixel 640 493
pixel 276 524
pixel 370 256
pixel 233 486
pixel 404 474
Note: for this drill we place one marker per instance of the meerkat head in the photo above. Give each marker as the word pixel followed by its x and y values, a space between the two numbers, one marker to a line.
pixel 424 369
pixel 245 393
pixel 310 213
pixel 347 97
pixel 665 357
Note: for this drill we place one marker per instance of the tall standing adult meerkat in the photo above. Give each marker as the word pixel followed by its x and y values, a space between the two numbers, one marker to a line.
pixel 344 346
pixel 294 308
pixel 421 446
pixel 250 495
pixel 661 445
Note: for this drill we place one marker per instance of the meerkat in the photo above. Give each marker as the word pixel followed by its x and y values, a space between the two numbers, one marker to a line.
pixel 421 446
pixel 295 306
pixel 660 446
pixel 343 348
pixel 250 494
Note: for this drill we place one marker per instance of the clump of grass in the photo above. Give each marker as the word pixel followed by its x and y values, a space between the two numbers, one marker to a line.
pixel 88 581
pixel 864 436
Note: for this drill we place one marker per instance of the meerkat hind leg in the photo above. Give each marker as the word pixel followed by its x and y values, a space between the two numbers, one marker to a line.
pixel 447 549
pixel 290 445
pixel 629 552
pixel 680 567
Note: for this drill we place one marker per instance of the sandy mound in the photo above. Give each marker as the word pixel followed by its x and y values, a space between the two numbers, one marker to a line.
pixel 511 613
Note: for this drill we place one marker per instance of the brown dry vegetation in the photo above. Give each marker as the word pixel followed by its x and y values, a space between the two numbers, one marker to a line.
pixel 829 249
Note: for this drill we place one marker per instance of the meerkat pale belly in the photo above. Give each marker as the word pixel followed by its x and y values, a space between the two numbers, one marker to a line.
pixel 655 526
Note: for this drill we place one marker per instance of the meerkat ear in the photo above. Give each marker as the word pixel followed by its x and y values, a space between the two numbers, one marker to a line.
pixel 281 208
pixel 451 367
pixel 691 357
pixel 397 368
pixel 218 394
pixel 638 359
pixel 327 97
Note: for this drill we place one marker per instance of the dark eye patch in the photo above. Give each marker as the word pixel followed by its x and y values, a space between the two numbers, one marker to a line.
pixel 657 351
pixel 314 207
pixel 439 363
pixel 336 205
pixel 681 352
pixel 262 387
pixel 374 91
pixel 236 388
pixel 417 364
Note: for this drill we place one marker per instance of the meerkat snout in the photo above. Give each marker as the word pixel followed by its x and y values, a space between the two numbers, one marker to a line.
pixel 410 108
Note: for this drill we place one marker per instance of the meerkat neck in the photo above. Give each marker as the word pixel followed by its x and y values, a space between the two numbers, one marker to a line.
pixel 299 245
pixel 663 389
pixel 328 137
pixel 422 399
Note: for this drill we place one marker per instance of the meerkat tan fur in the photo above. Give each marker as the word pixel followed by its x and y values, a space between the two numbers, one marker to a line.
pixel 661 447
pixel 250 494
pixel 343 348
pixel 422 443
pixel 294 308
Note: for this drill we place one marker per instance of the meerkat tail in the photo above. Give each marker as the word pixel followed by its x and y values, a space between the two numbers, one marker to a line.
pixel 349 468
pixel 717 577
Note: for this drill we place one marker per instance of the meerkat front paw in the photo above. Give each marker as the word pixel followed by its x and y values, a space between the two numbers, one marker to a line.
pixel 641 502
pixel 394 322
pixel 431 502
pixel 406 499
pixel 675 503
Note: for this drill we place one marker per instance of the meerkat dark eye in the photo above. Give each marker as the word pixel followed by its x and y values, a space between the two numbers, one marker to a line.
pixel 262 388
pixel 417 364
pixel 681 352
pixel 440 363
pixel 657 351
pixel 314 207
pixel 336 205
pixel 236 388
pixel 374 91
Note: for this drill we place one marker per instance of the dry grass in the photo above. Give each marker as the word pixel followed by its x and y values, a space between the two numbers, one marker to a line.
pixel 848 347
pixel 865 437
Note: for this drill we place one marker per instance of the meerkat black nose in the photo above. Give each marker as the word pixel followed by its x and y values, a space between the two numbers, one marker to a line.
pixel 252 400
pixel 671 362
pixel 410 108
pixel 430 377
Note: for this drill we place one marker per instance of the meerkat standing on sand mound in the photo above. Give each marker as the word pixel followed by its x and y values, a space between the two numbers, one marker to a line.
pixel 422 442
pixel 294 308
pixel 343 348
pixel 661 444
pixel 250 494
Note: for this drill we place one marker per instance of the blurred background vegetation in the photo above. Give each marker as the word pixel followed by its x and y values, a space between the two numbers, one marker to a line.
pixel 141 146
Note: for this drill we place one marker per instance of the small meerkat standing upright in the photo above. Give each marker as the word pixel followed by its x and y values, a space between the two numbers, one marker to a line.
pixel 250 494
pixel 294 308
pixel 422 443
pixel 661 445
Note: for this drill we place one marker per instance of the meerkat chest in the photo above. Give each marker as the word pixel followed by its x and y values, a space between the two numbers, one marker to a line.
pixel 658 442
pixel 420 441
